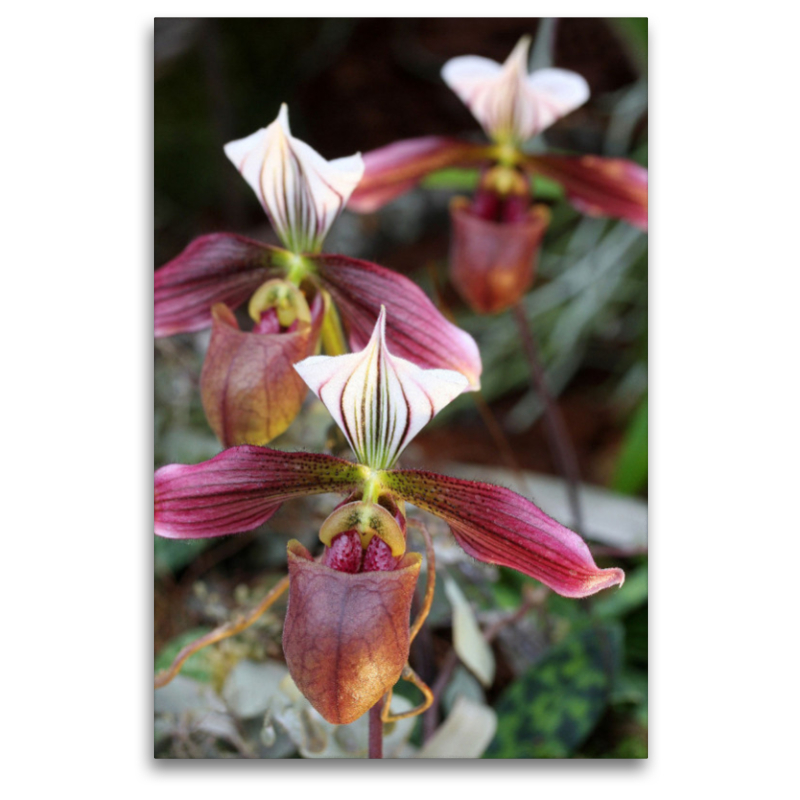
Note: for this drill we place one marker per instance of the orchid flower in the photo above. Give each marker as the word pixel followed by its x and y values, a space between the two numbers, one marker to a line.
pixel 296 296
pixel 346 636
pixel 497 236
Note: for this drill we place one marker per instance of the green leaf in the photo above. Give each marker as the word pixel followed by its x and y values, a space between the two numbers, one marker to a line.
pixel 550 710
pixel 631 689
pixel 630 747
pixel 466 180
pixel 546 189
pixel 630 474
pixel 506 597
pixel 633 28
pixel 172 555
pixel 636 637
pixel 197 666
pixel 633 33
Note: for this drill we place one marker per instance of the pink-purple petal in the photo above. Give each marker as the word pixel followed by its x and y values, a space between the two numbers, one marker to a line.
pixel 498 526
pixel 217 268
pixel 242 487
pixel 397 168
pixel 415 329
pixel 599 187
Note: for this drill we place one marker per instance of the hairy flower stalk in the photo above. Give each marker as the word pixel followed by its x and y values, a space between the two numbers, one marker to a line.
pixel 298 298
pixel 346 636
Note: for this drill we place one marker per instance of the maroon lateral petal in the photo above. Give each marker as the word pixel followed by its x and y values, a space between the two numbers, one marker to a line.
pixel 240 488
pixel 395 169
pixel 599 187
pixel 250 389
pixel 217 268
pixel 498 526
pixel 415 329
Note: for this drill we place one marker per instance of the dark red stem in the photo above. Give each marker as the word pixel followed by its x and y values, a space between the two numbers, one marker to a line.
pixel 557 434
pixel 376 730
pixel 430 722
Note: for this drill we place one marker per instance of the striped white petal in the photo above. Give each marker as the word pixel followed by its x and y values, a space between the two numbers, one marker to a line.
pixel 301 192
pixel 380 401
pixel 511 105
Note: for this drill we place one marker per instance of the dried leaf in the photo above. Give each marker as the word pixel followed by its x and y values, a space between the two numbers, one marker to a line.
pixel 250 686
pixel 466 733
pixel 471 647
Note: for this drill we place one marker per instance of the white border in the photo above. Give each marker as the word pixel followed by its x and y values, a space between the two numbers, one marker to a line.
pixel 77 256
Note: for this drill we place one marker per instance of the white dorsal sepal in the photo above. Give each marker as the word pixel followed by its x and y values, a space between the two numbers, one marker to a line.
pixel 510 104
pixel 301 192
pixel 379 401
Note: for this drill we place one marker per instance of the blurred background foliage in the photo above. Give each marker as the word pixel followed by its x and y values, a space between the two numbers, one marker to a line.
pixel 569 677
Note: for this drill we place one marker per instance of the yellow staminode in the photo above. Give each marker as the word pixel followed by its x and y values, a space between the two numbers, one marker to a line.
pixel 370 520
pixel 287 300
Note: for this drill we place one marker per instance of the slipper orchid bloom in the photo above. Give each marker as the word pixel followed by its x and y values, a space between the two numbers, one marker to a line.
pixel 346 636
pixel 496 237
pixel 295 296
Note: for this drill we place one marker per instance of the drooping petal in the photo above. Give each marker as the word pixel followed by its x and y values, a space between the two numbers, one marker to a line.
pixel 346 636
pixel 397 168
pixel 599 187
pixel 415 328
pixel 492 264
pixel 301 192
pixel 250 390
pixel 498 526
pixel 511 105
pixel 218 268
pixel 381 402
pixel 242 487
